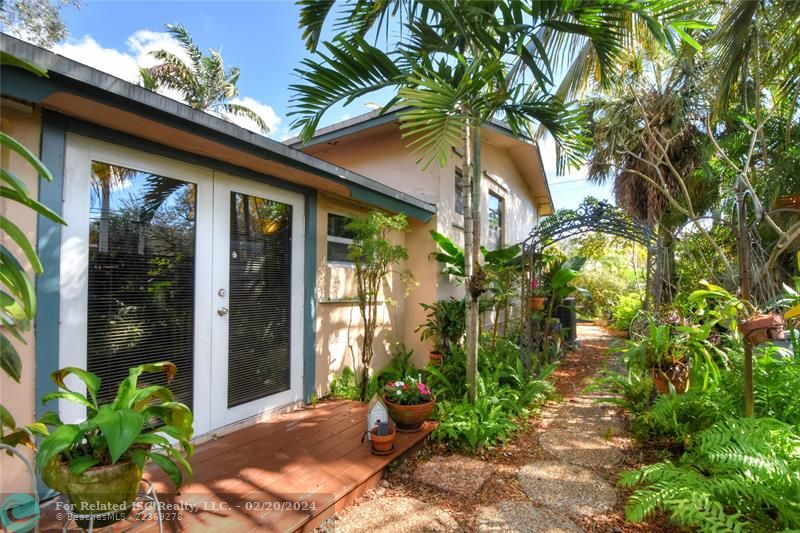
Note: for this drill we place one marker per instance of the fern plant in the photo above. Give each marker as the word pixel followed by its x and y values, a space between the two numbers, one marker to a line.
pixel 739 474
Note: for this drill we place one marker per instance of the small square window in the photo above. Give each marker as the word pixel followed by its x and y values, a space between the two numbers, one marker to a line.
pixel 458 190
pixel 494 240
pixel 339 239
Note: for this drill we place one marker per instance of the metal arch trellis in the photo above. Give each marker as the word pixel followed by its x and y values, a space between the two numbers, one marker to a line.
pixel 593 216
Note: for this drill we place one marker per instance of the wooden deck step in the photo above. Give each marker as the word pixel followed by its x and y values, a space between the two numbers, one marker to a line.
pixel 286 474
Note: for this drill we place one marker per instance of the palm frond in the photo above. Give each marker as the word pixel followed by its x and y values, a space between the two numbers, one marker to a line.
pixel 734 41
pixel 313 14
pixel 349 69
pixel 240 110
pixel 182 36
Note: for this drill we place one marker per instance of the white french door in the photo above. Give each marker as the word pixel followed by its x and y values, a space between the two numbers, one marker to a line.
pixel 163 260
pixel 258 302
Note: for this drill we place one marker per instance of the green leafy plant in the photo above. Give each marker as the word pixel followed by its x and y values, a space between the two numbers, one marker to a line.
pixel 671 350
pixel 506 396
pixel 626 309
pixel 739 474
pixel 18 294
pixel 408 391
pixel 374 256
pixel 631 391
pixel 444 325
pixel 122 430
pixel 399 367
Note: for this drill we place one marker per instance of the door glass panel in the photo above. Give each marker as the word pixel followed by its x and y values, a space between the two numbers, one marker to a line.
pixel 141 277
pixel 260 298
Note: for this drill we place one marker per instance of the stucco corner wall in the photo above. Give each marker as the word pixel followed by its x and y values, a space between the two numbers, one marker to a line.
pixel 19 398
pixel 339 327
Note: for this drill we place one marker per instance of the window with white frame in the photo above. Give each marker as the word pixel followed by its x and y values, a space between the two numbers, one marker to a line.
pixel 339 239
pixel 494 239
pixel 458 190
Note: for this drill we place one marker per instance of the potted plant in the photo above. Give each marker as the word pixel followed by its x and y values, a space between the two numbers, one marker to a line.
pixel 99 462
pixel 762 327
pixel 410 403
pixel 662 356
pixel 382 438
pixel 537 299
pixel 444 325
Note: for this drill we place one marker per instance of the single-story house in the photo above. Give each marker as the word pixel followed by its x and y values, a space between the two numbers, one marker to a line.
pixel 194 240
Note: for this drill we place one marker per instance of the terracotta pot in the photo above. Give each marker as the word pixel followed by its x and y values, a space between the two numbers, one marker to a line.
pixel 105 492
pixel 537 302
pixel 762 328
pixel 382 444
pixel 436 359
pixel 678 376
pixel 409 418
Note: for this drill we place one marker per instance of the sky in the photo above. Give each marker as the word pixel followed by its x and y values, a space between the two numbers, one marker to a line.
pixel 262 38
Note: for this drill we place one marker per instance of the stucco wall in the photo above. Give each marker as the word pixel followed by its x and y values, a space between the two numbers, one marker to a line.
pixel 18 398
pixel 384 157
pixel 339 327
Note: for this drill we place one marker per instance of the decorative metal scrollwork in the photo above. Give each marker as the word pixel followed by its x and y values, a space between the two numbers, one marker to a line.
pixel 590 216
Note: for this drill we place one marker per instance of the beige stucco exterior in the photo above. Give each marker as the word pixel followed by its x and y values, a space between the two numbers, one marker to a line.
pixel 339 327
pixel 24 125
pixel 380 153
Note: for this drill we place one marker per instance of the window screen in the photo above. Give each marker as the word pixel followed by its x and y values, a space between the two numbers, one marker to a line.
pixel 494 240
pixel 339 239
pixel 141 277
pixel 458 191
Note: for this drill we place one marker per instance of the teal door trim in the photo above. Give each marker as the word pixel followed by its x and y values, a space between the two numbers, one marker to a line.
pixel 53 150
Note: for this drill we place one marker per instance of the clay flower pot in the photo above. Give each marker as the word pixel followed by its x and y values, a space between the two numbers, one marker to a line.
pixel 537 302
pixel 409 418
pixel 436 359
pixel 762 328
pixel 383 444
pixel 677 375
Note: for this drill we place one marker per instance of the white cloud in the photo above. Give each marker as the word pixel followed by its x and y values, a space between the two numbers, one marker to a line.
pixel 263 110
pixel 125 65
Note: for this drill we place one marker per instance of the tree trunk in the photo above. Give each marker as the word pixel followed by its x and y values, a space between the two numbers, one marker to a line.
pixel 472 240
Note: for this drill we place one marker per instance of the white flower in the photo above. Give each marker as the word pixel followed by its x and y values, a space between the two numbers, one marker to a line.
pixel 398 383
pixel 399 392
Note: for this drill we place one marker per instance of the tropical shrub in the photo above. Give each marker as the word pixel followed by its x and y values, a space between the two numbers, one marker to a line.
pixel 444 325
pixel 628 306
pixel 505 396
pixel 374 257
pixel 739 474
pixel 632 391
pixel 673 418
pixel 400 367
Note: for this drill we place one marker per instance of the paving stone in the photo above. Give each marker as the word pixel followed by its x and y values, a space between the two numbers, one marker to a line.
pixel 522 517
pixel 396 515
pixel 584 416
pixel 460 476
pixel 567 488
pixel 581 448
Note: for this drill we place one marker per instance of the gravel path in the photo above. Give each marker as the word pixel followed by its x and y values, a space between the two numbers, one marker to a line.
pixel 555 476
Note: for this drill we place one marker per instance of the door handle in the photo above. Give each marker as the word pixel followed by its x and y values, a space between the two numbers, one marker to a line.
pixel 222 311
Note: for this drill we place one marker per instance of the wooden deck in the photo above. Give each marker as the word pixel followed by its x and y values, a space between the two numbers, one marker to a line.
pixel 286 474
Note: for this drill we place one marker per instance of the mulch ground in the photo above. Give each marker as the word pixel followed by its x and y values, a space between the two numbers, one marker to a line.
pixel 573 374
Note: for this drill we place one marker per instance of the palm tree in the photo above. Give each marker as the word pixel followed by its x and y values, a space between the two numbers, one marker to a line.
pixel 451 70
pixel 203 82
pixel 758 43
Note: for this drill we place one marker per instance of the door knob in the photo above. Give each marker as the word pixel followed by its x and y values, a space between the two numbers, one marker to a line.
pixel 222 311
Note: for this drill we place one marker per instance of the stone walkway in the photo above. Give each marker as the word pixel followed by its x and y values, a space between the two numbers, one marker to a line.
pixel 577 433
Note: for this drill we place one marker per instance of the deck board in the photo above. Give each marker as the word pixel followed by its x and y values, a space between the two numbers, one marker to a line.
pixel 312 457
